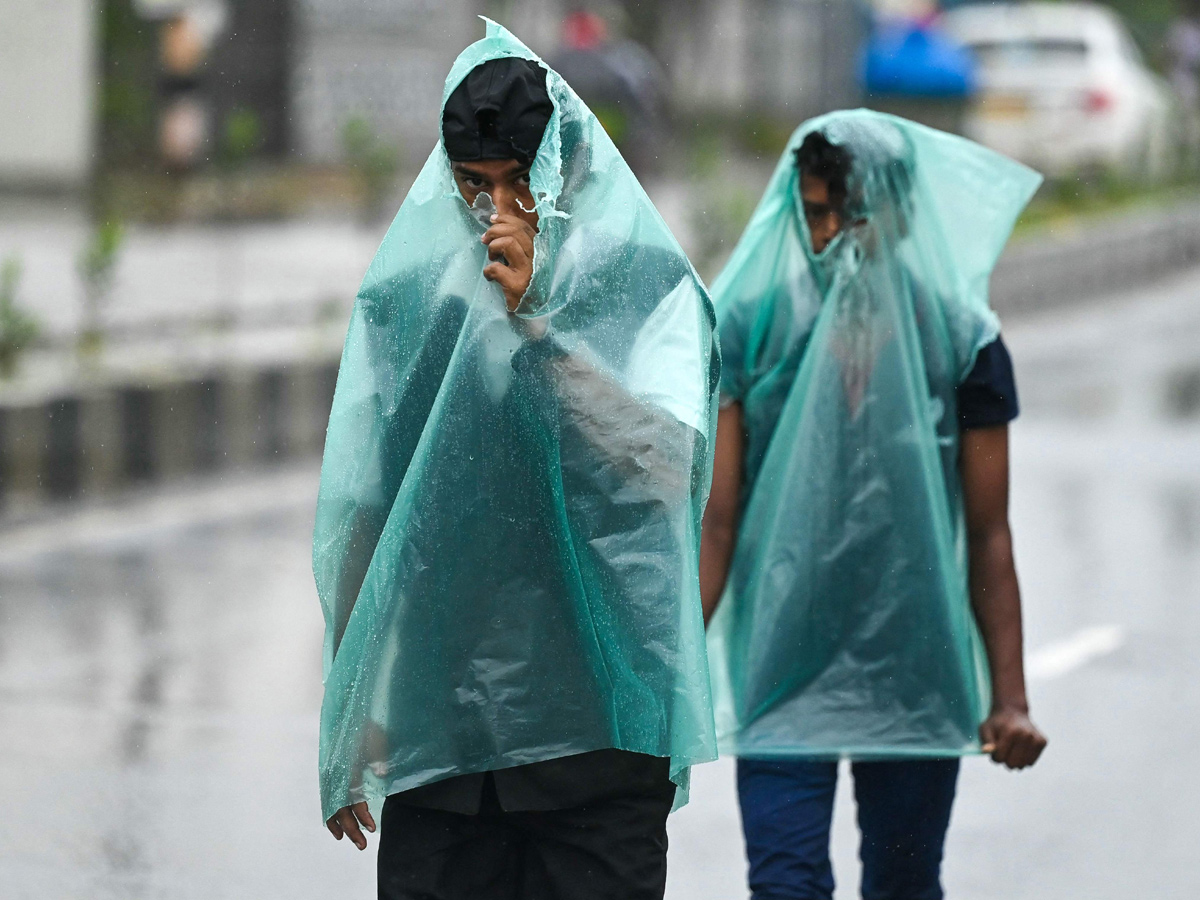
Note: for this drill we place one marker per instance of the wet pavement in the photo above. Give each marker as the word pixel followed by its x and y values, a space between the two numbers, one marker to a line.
pixel 160 667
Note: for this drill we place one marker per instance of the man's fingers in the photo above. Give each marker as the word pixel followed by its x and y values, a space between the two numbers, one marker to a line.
pixel 1022 758
pixel 502 275
pixel 350 826
pixel 511 249
pixel 1009 752
pixel 524 237
pixel 1039 747
pixel 1011 741
pixel 1023 749
pixel 521 237
pixel 516 226
pixel 345 823
pixel 1031 748
pixel 508 219
pixel 513 285
pixel 1024 755
pixel 502 247
pixel 364 816
pixel 1004 747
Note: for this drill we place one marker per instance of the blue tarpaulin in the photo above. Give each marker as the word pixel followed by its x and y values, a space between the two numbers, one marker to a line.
pixel 905 58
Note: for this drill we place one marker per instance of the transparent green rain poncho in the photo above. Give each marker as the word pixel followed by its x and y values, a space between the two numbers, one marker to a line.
pixel 846 627
pixel 508 524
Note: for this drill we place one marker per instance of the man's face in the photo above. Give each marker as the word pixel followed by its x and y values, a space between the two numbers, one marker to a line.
pixel 506 180
pixel 823 215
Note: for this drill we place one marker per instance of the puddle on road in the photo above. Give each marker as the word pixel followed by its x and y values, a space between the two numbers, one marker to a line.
pixel 158 715
pixel 1183 394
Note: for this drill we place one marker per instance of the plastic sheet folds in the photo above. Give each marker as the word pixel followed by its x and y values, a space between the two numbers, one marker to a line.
pixel 508 524
pixel 846 628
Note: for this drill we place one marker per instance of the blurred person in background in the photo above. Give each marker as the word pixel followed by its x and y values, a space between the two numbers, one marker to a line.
pixel 856 561
pixel 186 37
pixel 620 81
pixel 507 534
pixel 1183 45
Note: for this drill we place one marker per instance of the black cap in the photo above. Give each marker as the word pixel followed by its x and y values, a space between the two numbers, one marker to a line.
pixel 499 111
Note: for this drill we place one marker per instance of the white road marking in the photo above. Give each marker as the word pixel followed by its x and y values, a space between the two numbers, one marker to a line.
pixel 1057 659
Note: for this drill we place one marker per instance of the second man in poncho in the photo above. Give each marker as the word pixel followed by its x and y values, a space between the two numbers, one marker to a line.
pixel 858 540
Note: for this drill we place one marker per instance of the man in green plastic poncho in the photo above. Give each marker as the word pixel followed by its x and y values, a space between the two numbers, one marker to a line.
pixel 507 533
pixel 857 560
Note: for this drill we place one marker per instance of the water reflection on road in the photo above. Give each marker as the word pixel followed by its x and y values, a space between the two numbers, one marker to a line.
pixel 158 695
pixel 159 667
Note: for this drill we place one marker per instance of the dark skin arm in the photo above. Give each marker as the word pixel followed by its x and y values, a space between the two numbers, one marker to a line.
pixel 347 820
pixel 718 535
pixel 1009 735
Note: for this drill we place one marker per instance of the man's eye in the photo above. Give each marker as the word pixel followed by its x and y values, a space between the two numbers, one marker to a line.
pixel 474 183
pixel 523 180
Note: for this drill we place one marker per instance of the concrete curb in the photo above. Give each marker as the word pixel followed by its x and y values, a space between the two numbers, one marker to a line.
pixel 1057 270
pixel 96 441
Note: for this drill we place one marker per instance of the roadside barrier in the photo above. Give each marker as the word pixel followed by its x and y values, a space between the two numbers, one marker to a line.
pixel 102 439
pixel 1086 263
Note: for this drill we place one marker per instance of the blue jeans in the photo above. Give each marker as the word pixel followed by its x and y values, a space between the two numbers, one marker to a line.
pixel 903 814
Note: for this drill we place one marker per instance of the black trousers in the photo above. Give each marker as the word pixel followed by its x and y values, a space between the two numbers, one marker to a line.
pixel 614 848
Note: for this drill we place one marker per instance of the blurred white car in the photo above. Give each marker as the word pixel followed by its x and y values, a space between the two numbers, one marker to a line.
pixel 1063 88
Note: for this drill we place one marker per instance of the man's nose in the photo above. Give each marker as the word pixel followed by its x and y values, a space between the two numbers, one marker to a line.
pixel 506 201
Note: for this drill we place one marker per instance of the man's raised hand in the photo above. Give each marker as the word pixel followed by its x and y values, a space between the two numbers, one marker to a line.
pixel 510 247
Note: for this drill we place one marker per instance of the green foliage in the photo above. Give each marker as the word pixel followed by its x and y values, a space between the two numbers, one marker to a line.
pixel 765 135
pixel 1147 12
pixel 1148 21
pixel 719 223
pixel 376 161
pixel 707 155
pixel 97 267
pixel 726 184
pixel 17 328
pixel 99 259
pixel 1099 194
pixel 241 136
pixel 127 89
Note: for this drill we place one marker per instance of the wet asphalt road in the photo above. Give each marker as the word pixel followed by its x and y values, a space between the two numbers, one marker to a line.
pixel 160 667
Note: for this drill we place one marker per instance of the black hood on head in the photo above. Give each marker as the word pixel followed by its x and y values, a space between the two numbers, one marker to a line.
pixel 499 111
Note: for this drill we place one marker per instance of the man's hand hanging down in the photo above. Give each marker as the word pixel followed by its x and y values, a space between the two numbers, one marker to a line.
pixel 1008 735
pixel 510 247
pixel 1011 738
pixel 347 820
